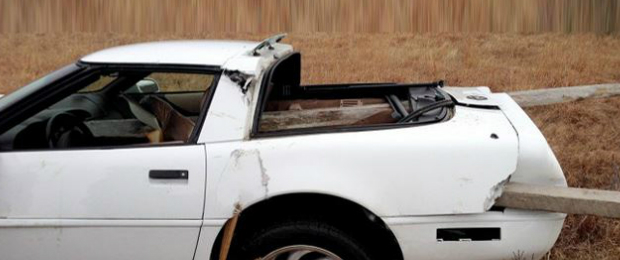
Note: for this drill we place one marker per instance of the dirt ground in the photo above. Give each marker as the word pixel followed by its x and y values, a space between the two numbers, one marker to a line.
pixel 584 135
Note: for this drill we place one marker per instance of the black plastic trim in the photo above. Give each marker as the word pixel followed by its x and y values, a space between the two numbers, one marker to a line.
pixel 469 234
pixel 356 90
pixel 169 174
pixel 492 107
pixel 262 95
pixel 153 67
pixel 204 110
pixel 339 129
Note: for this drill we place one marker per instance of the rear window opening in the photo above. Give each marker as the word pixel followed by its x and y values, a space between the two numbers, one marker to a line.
pixel 288 106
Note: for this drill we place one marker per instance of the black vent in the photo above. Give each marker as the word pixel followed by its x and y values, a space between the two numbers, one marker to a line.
pixel 468 234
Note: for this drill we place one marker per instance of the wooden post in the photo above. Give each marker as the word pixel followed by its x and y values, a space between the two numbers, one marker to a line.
pixel 561 199
pixel 229 231
pixel 547 96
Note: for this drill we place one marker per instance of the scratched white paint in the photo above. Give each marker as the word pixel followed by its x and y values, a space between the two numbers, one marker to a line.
pixel 230 115
pixel 227 116
pixel 424 170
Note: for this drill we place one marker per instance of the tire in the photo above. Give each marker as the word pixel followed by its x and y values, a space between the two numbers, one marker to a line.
pixel 295 236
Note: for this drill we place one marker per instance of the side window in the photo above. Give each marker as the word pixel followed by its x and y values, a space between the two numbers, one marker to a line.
pixel 117 108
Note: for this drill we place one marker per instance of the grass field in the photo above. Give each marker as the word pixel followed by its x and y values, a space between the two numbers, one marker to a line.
pixel 584 135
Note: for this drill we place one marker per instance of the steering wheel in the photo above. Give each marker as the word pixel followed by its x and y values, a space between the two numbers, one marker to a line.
pixel 67 130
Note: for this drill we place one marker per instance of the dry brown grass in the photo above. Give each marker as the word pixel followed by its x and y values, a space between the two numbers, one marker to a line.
pixel 584 135
pixel 502 61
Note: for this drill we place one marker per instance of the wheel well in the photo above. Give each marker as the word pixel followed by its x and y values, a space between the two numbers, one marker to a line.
pixel 345 214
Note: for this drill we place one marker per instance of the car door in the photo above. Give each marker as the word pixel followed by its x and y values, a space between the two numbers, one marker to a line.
pixel 124 203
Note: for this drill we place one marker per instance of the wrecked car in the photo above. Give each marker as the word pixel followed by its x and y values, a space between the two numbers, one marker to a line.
pixel 147 151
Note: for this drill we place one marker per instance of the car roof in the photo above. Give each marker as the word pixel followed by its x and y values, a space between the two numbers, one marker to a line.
pixel 193 52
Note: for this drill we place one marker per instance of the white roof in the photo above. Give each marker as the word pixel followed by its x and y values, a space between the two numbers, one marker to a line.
pixel 197 52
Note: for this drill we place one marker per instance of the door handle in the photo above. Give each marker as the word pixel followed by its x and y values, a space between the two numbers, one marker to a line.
pixel 168 174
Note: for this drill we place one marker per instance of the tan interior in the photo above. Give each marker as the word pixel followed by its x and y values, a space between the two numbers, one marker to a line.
pixel 174 125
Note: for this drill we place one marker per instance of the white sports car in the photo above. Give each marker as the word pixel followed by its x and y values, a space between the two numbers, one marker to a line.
pixel 146 151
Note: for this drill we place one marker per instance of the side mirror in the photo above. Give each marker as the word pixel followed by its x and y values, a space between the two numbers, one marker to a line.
pixel 144 86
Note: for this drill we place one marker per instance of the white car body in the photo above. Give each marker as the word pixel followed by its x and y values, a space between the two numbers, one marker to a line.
pixel 76 204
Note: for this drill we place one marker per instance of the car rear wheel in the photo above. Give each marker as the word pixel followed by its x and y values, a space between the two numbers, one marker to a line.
pixel 298 252
pixel 301 240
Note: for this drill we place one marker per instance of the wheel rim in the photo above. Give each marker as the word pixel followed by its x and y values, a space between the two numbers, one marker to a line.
pixel 301 252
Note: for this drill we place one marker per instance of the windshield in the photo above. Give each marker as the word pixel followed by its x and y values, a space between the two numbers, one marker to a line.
pixel 33 87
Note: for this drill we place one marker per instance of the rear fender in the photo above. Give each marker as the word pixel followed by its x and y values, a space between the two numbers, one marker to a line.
pixel 451 167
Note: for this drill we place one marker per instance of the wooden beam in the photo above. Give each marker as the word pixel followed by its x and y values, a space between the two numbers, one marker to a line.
pixel 229 231
pixel 549 96
pixel 561 199
pixel 334 116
